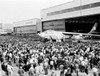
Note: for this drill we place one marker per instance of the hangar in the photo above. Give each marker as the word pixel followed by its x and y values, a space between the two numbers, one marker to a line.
pixel 75 16
pixel 27 26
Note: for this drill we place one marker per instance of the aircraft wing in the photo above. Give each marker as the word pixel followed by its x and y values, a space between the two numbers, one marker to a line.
pixel 80 36
pixel 84 34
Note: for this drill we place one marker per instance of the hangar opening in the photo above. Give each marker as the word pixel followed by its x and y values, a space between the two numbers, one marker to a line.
pixel 78 27
pixel 82 24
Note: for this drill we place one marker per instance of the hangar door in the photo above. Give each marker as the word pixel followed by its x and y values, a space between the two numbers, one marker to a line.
pixel 58 25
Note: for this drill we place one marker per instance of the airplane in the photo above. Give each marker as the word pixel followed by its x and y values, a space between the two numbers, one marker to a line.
pixel 90 34
pixel 51 34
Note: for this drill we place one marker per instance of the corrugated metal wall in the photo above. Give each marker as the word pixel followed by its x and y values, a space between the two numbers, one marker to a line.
pixel 26 29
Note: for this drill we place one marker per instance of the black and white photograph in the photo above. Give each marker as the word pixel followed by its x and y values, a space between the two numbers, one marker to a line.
pixel 49 37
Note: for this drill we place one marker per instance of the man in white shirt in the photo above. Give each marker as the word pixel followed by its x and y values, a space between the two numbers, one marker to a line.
pixel 10 69
pixel 95 70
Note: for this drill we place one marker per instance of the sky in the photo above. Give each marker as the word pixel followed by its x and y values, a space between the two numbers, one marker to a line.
pixel 18 10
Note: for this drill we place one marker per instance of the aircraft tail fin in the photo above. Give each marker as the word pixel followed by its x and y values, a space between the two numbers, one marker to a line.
pixel 93 28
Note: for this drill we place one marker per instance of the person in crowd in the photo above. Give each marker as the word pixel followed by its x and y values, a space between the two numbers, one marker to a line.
pixel 41 68
pixel 10 69
pixel 95 70
pixel 21 71
pixel 51 64
pixel 37 68
pixel 46 66
pixel 62 70
pixel 67 72
pixel 31 71
pixel 4 67
pixel 53 73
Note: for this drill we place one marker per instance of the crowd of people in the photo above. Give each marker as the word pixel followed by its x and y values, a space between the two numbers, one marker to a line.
pixel 37 58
